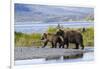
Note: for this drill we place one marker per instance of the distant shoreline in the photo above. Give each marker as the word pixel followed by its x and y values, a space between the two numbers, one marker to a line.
pixel 41 22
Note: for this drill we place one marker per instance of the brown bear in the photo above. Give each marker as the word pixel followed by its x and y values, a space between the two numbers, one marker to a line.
pixel 71 36
pixel 53 39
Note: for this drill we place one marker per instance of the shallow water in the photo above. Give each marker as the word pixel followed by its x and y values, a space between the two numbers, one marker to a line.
pixel 30 27
pixel 87 56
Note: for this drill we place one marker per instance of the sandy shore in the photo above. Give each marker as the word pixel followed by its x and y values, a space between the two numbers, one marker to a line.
pixel 21 53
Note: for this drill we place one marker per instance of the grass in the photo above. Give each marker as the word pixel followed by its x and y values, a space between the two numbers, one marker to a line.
pixel 88 37
pixel 22 39
pixel 28 40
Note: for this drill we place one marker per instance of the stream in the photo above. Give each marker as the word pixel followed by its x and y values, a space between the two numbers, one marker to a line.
pixel 87 56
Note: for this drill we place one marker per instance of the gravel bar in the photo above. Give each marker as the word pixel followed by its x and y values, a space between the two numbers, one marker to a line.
pixel 22 53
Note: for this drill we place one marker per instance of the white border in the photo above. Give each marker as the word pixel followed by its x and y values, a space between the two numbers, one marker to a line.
pixel 12 35
pixel 77 3
pixel 81 3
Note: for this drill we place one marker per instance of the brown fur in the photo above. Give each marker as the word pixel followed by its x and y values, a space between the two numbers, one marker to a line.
pixel 53 39
pixel 72 36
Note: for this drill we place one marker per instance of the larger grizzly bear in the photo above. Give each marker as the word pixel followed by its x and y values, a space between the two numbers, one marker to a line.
pixel 71 36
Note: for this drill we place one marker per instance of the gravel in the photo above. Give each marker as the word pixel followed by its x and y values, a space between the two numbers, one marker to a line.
pixel 22 53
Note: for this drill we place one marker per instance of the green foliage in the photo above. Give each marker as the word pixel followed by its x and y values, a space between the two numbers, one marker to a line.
pixel 51 29
pixel 88 37
pixel 22 39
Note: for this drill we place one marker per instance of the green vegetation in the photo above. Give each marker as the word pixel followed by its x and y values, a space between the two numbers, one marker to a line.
pixel 88 37
pixel 22 39
pixel 51 29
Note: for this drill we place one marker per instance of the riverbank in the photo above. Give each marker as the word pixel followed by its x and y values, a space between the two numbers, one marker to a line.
pixel 22 53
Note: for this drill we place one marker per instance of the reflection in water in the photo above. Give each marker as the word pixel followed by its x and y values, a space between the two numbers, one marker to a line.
pixel 61 59
pixel 64 57
pixel 73 56
pixel 87 56
pixel 53 58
